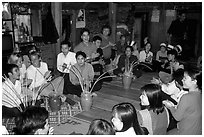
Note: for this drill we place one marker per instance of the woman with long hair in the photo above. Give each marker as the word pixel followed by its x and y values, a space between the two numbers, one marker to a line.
pixel 125 120
pixel 100 127
pixel 154 115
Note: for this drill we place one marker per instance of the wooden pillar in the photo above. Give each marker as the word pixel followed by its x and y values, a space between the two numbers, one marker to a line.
pixel 112 19
pixel 36 22
pixel 56 8
pixel 73 27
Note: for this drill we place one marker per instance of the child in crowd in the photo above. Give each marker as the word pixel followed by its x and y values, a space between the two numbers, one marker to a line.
pixel 33 121
pixel 135 50
pixel 100 127
pixel 65 60
pixel 125 120
pixel 155 116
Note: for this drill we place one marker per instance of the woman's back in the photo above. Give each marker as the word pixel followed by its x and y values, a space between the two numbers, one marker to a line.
pixel 156 124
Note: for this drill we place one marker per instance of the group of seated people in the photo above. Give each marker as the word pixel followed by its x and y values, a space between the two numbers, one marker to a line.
pixel 160 102
pixel 27 78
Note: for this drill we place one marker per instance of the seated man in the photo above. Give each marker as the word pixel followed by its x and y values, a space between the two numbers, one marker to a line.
pixel 65 60
pixel 97 58
pixel 17 59
pixel 11 89
pixel 81 75
pixel 33 121
pixel 40 75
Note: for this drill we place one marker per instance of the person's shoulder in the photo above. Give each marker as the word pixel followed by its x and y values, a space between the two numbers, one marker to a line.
pixel 43 63
pixel 60 54
pixel 30 68
pixel 142 51
pixel 72 53
pixel 78 45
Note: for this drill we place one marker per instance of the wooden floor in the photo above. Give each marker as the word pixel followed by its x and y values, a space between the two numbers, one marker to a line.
pixel 113 93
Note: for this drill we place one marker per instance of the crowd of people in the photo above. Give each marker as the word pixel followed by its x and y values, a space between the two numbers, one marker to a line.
pixel 171 104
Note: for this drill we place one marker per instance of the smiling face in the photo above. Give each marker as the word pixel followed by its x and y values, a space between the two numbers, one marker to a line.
pixel 148 47
pixel 35 60
pixel 144 99
pixel 188 82
pixel 15 74
pixel 80 60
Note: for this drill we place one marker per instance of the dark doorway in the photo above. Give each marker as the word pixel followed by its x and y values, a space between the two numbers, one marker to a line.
pixel 140 27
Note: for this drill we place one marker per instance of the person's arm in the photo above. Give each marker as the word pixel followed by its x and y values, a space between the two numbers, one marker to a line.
pixel 142 56
pixel 157 56
pixel 178 113
pixel 91 72
pixel 59 63
pixel 73 78
pixel 121 62
pixel 35 82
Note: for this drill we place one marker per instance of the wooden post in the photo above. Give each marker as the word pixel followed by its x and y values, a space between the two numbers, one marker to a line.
pixel 112 19
pixel 73 27
pixel 56 8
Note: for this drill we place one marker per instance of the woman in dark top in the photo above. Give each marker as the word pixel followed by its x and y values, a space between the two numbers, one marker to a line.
pixel 127 57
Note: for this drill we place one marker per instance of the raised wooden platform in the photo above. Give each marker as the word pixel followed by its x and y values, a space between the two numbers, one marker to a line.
pixel 113 93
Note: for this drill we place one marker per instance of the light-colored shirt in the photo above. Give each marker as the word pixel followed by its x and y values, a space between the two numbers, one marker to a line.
pixel 136 53
pixel 87 73
pixel 69 60
pixel 11 93
pixel 144 55
pixel 37 74
pixel 87 49
pixel 4 131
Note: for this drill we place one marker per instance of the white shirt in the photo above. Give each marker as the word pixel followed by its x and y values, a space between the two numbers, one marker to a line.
pixel 69 59
pixel 144 55
pixel 4 131
pixel 129 133
pixel 37 74
pixel 11 93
